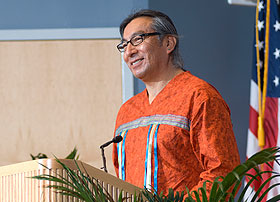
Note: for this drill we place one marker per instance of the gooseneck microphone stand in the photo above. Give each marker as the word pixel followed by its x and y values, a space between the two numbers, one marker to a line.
pixel 116 139
pixel 104 159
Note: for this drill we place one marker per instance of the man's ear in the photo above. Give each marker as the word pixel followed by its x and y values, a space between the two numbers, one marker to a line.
pixel 170 43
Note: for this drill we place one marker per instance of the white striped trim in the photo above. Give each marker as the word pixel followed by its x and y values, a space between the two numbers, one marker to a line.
pixel 120 156
pixel 120 160
pixel 148 184
pixel 168 119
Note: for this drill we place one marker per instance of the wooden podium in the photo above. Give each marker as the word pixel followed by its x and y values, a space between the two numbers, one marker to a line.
pixel 16 186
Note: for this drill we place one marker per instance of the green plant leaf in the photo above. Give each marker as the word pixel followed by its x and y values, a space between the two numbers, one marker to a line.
pixel 261 157
pixel 73 154
pixel 39 156
pixel 266 191
pixel 261 188
pixel 274 199
pixel 203 194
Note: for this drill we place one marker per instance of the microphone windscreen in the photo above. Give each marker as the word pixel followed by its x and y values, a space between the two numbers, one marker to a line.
pixel 117 139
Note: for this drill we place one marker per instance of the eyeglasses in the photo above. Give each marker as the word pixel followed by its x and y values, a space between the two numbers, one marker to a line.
pixel 135 41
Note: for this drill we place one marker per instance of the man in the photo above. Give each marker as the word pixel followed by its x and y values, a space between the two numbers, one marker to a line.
pixel 178 131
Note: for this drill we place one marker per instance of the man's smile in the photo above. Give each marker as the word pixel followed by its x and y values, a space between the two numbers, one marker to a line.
pixel 136 61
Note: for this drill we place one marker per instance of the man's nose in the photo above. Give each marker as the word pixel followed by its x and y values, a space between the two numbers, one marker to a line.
pixel 130 50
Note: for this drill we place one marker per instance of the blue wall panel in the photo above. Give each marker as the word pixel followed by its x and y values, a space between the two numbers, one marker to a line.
pixel 36 14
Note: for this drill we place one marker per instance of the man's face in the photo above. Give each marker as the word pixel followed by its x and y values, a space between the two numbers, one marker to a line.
pixel 147 59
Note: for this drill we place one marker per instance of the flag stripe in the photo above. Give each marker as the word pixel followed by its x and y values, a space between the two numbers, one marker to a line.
pixel 253 122
pixel 253 147
pixel 254 96
pixel 276 167
pixel 271 122
pixel 250 190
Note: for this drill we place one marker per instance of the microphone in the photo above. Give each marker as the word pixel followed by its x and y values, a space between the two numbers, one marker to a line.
pixel 116 139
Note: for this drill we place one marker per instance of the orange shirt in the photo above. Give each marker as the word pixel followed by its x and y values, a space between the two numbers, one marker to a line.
pixel 182 138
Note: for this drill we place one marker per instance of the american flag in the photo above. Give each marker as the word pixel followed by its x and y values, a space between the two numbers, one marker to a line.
pixel 267 59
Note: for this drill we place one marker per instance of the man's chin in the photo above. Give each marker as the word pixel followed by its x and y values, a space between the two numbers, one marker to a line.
pixel 138 75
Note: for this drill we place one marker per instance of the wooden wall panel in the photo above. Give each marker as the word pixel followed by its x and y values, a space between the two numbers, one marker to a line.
pixel 55 95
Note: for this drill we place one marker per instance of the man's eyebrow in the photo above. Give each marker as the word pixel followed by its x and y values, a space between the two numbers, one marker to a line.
pixel 133 35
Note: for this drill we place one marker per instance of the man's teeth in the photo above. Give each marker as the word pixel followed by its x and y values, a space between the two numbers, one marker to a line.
pixel 136 61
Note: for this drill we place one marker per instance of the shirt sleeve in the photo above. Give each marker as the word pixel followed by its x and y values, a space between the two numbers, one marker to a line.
pixel 213 140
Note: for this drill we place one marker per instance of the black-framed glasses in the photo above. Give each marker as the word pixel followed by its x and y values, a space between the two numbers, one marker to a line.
pixel 135 41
